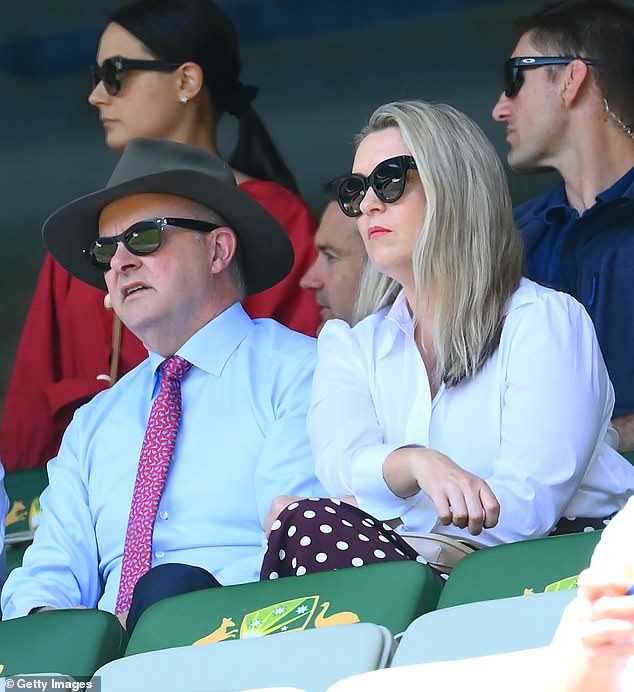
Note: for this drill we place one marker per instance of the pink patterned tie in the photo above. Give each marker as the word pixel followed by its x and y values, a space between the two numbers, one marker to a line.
pixel 156 454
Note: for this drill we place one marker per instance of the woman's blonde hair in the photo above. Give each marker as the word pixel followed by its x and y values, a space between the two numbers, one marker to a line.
pixel 469 253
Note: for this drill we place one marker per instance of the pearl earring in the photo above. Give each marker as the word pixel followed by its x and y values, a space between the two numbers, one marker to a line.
pixel 183 99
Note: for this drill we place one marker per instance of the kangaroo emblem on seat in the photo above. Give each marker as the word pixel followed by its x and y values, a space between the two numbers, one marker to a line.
pixel 220 634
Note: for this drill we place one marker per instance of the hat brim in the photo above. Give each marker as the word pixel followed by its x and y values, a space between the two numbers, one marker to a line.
pixel 266 251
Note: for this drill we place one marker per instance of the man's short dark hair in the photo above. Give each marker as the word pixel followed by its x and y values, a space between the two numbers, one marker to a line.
pixel 600 30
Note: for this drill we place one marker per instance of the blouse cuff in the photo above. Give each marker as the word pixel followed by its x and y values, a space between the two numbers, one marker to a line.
pixel 372 492
pixel 420 518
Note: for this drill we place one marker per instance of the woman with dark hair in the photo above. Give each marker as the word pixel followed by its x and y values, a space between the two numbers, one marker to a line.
pixel 167 69
pixel 192 47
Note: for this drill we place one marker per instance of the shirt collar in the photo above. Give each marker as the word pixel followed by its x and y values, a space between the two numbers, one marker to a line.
pixel 400 314
pixel 397 320
pixel 558 206
pixel 211 346
pixel 623 187
pixel 400 319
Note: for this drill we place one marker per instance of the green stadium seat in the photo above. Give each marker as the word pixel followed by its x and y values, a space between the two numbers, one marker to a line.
pixel 71 642
pixel 391 594
pixel 24 489
pixel 514 568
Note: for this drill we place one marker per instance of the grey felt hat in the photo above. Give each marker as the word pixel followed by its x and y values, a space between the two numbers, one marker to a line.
pixel 162 166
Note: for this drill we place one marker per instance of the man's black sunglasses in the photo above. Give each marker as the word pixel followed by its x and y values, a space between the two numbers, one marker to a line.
pixel 142 238
pixel 387 180
pixel 111 69
pixel 513 78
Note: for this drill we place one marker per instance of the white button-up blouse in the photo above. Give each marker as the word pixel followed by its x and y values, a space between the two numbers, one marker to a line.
pixel 534 422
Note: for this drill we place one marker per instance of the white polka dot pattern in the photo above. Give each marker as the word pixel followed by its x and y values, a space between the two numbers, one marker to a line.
pixel 326 534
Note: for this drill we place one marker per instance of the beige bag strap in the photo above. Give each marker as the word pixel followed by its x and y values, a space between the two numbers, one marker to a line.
pixel 440 551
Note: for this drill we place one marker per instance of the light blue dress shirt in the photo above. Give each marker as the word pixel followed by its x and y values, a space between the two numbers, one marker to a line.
pixel 242 441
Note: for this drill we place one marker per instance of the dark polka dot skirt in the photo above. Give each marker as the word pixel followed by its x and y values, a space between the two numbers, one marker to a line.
pixel 321 534
pixel 580 525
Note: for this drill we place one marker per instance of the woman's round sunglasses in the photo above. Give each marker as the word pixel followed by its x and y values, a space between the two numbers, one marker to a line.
pixel 387 180
pixel 142 238
pixel 513 77
pixel 111 70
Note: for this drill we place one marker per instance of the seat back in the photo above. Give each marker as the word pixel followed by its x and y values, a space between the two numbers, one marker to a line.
pixel 24 489
pixel 72 642
pixel 390 594
pixel 483 628
pixel 527 670
pixel 511 569
pixel 310 660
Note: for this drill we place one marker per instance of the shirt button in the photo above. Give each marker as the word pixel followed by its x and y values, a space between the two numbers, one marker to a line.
pixel 159 554
pixel 163 514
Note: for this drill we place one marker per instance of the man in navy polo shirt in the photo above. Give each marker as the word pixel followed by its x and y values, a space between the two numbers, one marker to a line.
pixel 568 105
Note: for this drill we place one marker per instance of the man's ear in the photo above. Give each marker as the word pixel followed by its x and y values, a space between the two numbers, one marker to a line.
pixel 224 248
pixel 191 80
pixel 576 79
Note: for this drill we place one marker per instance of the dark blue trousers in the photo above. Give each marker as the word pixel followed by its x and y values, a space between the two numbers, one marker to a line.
pixel 163 581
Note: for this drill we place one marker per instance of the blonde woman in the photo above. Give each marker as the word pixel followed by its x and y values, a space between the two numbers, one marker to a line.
pixel 466 400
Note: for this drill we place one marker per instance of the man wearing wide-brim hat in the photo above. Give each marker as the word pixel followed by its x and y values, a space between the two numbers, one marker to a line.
pixel 167 476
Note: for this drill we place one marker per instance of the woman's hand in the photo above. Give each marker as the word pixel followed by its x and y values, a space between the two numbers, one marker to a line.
pixel 460 497
pixel 278 504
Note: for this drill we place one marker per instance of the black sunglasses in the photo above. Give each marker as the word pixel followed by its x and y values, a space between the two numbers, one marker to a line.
pixel 331 188
pixel 387 180
pixel 111 69
pixel 142 238
pixel 513 78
